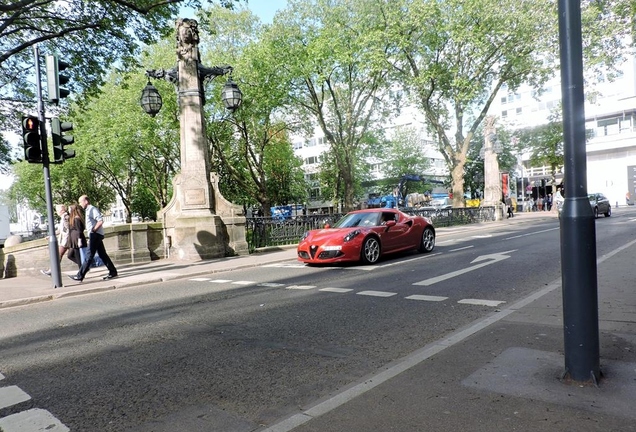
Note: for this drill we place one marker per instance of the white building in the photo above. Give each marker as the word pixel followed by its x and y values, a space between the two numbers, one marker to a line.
pixel 610 118
pixel 310 151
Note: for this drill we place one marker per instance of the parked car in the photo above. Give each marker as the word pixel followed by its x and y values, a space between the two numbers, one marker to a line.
pixel 366 235
pixel 600 204
pixel 442 203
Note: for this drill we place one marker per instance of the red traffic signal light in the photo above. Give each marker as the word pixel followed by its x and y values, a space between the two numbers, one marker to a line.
pixel 31 139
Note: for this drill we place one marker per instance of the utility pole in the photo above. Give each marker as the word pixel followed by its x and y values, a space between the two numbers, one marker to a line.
pixel 56 273
pixel 578 231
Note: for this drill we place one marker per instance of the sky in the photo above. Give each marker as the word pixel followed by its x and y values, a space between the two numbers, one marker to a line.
pixel 264 9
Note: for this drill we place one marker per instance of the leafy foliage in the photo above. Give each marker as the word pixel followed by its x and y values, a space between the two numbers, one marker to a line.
pixel 338 80
pixel 90 35
pixel 454 56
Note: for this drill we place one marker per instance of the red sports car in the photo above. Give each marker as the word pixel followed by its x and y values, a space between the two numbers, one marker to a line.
pixel 366 235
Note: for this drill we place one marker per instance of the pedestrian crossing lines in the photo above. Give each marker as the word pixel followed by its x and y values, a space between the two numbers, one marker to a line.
pixel 338 290
pixel 31 420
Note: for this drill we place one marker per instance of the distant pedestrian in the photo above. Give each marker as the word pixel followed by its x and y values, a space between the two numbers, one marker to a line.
pixel 509 205
pixel 62 232
pixel 94 226
pixel 77 239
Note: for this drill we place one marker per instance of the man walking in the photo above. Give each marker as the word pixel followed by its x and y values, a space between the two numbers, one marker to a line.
pixel 94 226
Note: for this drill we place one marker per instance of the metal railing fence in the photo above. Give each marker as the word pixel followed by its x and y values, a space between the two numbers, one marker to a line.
pixel 266 232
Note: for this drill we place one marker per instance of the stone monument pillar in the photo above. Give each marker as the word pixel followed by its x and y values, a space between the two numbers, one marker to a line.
pixel 492 181
pixel 199 222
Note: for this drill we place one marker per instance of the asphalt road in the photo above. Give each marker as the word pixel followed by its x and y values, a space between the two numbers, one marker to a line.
pixel 239 350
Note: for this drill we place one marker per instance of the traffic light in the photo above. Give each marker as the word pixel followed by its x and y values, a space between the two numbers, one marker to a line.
pixel 31 137
pixel 60 140
pixel 53 78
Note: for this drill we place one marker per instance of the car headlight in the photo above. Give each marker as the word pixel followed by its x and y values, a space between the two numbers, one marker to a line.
pixel 351 235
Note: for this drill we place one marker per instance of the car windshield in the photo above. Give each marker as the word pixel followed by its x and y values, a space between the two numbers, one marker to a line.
pixel 358 219
pixel 592 197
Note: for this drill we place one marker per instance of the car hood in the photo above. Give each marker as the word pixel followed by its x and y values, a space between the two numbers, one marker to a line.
pixel 325 234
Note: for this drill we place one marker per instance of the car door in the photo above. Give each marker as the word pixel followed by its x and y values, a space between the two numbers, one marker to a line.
pixel 389 231
pixel 603 204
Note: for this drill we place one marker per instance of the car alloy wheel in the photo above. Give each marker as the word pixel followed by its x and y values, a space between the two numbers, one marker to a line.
pixel 371 250
pixel 428 241
pixel 595 212
pixel 609 212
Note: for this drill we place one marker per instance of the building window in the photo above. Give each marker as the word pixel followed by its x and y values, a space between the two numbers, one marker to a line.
pixel 298 145
pixel 518 111
pixel 311 160
pixel 504 113
pixel 504 100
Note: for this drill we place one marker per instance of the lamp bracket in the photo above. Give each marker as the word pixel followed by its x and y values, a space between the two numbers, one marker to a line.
pixel 205 73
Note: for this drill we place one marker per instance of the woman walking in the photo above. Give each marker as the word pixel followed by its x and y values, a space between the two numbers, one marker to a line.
pixel 62 234
pixel 77 239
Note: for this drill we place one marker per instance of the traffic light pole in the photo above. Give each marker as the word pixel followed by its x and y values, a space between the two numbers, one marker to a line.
pixel 56 273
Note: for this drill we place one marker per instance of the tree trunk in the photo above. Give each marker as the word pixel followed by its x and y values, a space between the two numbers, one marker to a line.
pixel 458 185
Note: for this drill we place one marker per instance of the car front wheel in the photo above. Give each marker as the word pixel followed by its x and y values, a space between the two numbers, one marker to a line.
pixel 609 212
pixel 371 251
pixel 428 241
pixel 595 212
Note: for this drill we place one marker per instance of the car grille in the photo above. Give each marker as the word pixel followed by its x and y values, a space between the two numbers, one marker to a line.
pixel 329 254
pixel 303 254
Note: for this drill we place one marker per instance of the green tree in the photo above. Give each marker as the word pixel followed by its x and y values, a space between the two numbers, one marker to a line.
pixel 251 150
pixel 338 81
pixel 454 56
pixel 405 155
pixel 91 36
pixel 544 143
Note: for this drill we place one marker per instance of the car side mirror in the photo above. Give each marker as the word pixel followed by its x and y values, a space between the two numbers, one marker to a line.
pixel 390 223
pixel 327 226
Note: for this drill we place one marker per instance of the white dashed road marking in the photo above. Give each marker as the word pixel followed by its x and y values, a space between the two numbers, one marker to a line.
pixel 33 420
pixel 336 290
pixel 418 297
pixel 426 298
pixel 12 395
pixel 376 293
pixel 479 302
pixel 462 248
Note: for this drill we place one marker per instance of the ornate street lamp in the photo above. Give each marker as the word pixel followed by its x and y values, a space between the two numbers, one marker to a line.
pixel 150 100
pixel 231 95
